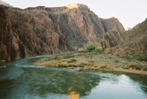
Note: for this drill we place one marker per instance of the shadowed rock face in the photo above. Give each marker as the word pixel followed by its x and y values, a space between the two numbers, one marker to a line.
pixel 132 41
pixel 22 35
pixel 41 30
pixel 110 39
pixel 136 38
pixel 82 26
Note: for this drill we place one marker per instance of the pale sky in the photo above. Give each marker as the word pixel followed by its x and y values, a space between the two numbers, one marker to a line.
pixel 128 12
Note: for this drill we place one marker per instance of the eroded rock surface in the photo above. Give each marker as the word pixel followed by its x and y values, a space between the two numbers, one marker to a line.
pixel 43 30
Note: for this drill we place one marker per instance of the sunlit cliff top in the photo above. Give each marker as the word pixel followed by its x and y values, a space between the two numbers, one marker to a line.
pixel 76 5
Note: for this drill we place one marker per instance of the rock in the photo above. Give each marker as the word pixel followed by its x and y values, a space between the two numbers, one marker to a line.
pixel 110 39
pixel 2 62
pixel 103 66
pixel 4 3
pixel 79 69
pixel 42 30
pixel 133 41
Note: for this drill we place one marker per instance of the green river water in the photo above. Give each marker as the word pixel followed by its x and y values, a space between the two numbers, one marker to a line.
pixel 22 80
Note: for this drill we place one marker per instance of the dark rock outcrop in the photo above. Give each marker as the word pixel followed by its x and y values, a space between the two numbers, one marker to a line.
pixel 110 39
pixel 42 30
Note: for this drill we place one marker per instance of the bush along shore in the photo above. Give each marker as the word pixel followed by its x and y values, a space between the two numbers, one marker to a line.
pixel 94 60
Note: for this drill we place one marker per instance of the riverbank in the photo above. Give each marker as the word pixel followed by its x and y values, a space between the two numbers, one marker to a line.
pixel 94 61
pixel 2 62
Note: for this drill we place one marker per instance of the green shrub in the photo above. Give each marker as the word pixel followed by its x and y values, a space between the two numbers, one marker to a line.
pixel 116 61
pixel 144 68
pixel 83 64
pixel 125 67
pixel 71 60
pixel 68 55
pixel 138 67
pixel 90 48
pixel 100 49
pixel 142 58
pixel 103 48
pixel 91 61
pixel 132 65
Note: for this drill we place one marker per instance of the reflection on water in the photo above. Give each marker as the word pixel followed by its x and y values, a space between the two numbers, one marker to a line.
pixel 121 88
pixel 74 95
pixel 28 82
pixel 59 81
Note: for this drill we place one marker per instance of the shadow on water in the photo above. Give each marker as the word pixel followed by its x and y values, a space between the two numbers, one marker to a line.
pixel 60 82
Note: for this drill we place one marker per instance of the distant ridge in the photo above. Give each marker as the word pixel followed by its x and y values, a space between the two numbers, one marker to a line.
pixel 133 41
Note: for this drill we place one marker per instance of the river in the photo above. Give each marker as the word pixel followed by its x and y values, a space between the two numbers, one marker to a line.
pixel 22 80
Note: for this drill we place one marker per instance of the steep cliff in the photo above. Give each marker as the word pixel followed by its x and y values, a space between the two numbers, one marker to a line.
pixel 43 30
pixel 82 26
pixel 136 38
pixel 110 39
pixel 21 36
pixel 133 41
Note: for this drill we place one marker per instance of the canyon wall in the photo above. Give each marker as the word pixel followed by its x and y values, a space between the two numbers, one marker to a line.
pixel 43 30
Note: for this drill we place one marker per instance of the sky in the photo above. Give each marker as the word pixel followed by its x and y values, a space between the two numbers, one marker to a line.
pixel 128 12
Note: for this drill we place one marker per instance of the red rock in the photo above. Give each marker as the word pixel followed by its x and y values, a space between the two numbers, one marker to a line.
pixel 41 30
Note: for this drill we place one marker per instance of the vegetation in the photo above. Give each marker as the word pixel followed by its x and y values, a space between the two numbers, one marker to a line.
pixel 93 61
pixel 68 55
pixel 71 60
pixel 132 65
pixel 100 49
pixel 144 68
pixel 116 61
pixel 90 48
pixel 142 58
